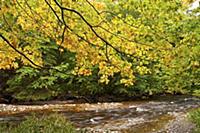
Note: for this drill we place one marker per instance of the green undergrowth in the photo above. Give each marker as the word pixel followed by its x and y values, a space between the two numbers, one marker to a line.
pixel 195 117
pixel 54 123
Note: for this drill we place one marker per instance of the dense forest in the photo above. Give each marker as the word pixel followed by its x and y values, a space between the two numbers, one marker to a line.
pixel 51 49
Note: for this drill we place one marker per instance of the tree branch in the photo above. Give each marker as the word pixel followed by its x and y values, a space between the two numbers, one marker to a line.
pixel 62 20
pixel 19 52
pixel 89 25
pixel 53 11
pixel 93 7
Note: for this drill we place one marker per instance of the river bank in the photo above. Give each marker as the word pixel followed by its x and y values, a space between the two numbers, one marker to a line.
pixel 161 115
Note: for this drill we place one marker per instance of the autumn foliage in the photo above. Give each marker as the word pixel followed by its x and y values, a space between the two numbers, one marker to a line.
pixel 85 46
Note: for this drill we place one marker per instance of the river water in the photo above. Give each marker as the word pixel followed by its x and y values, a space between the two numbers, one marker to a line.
pixel 145 116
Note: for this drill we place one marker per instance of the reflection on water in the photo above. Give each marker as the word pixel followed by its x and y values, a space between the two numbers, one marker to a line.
pixel 139 116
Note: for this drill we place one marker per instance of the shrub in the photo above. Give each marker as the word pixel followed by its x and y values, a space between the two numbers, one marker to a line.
pixel 31 83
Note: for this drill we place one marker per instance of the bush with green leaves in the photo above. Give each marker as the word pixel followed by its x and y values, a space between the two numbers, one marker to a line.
pixel 54 123
pixel 55 78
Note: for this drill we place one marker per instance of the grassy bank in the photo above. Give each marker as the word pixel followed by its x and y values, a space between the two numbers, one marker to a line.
pixel 195 117
pixel 54 123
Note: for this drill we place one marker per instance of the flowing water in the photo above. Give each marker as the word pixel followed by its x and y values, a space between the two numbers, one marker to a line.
pixel 143 116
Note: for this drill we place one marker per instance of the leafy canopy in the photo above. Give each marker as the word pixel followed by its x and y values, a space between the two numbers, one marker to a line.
pixel 135 40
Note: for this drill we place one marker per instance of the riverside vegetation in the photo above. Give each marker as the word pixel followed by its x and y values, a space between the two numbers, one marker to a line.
pixel 195 117
pixel 54 123
pixel 57 123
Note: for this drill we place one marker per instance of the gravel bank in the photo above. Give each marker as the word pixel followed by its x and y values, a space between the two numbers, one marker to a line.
pixel 180 124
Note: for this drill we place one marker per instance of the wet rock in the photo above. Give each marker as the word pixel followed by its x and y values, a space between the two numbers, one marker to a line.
pixel 139 109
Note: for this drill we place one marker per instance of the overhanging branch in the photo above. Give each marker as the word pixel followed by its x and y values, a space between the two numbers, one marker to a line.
pixel 89 25
pixel 19 52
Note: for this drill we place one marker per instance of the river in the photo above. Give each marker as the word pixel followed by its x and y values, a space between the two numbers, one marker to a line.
pixel 166 114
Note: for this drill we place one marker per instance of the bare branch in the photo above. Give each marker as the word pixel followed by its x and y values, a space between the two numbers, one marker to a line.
pixel 89 25
pixel 53 11
pixel 122 37
pixel 93 7
pixel 62 20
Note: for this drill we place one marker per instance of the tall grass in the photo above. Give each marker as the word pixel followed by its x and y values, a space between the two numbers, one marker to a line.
pixel 54 123
pixel 195 117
